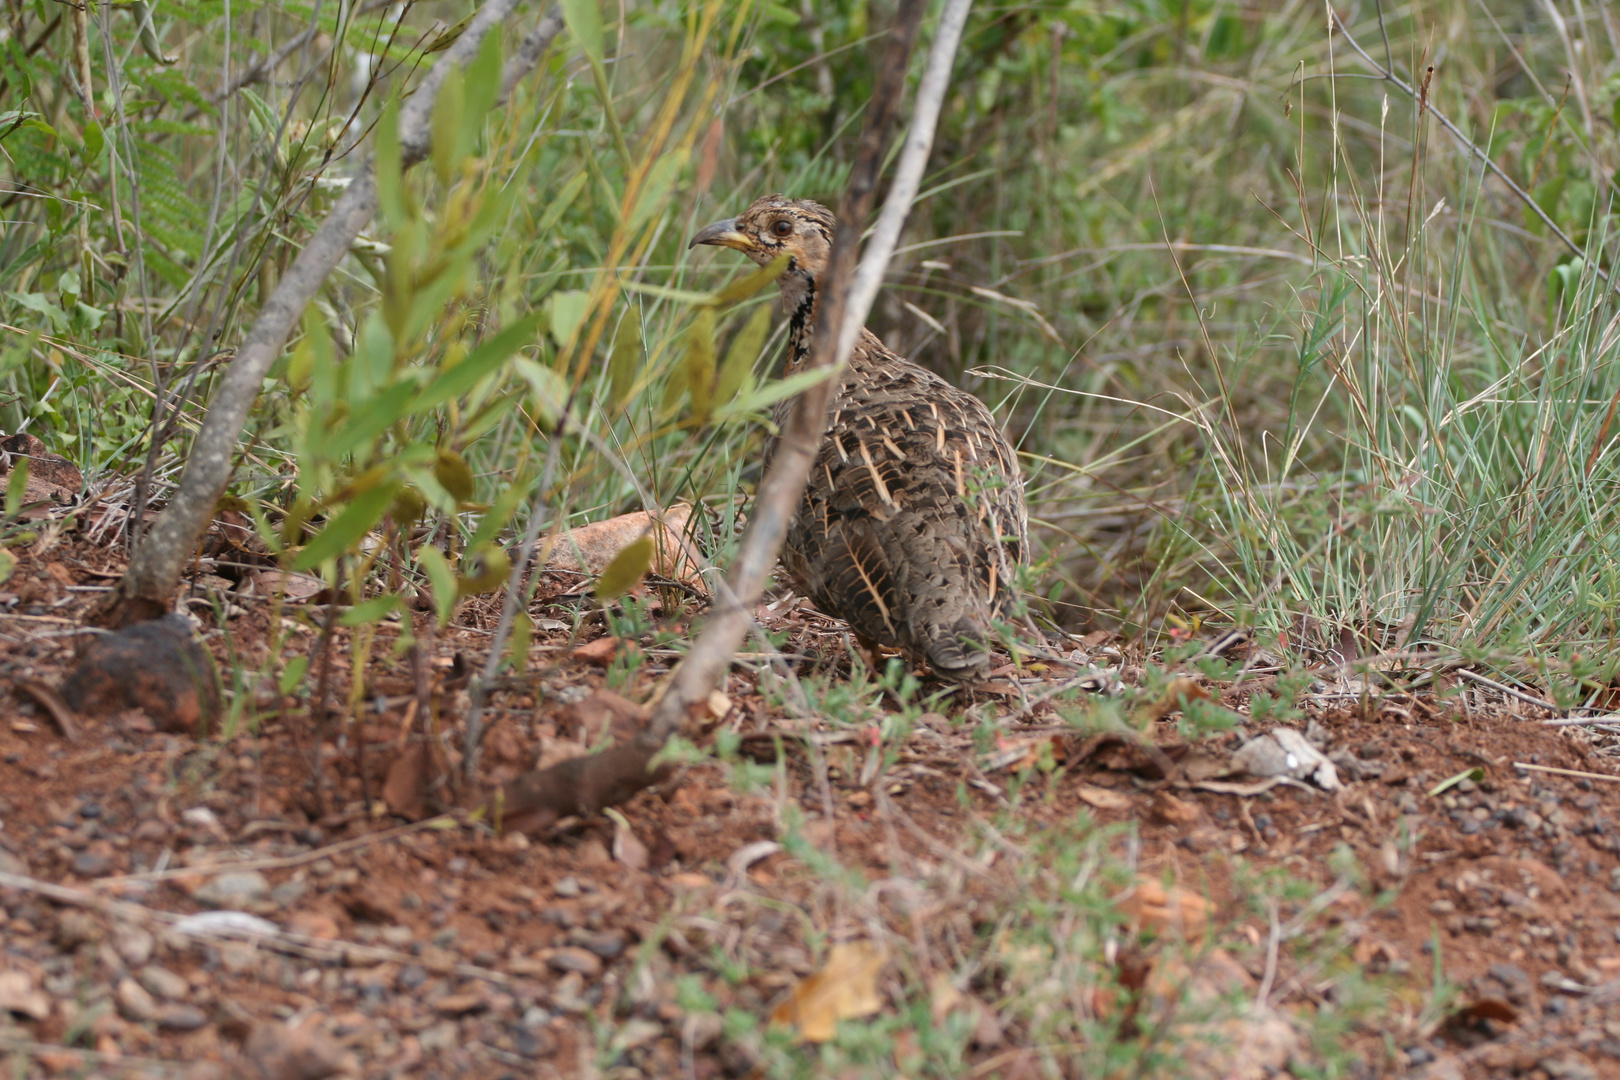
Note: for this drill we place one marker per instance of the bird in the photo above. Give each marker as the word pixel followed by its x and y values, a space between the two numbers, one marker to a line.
pixel 913 523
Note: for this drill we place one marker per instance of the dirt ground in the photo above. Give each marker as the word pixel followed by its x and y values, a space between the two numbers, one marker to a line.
pixel 1484 919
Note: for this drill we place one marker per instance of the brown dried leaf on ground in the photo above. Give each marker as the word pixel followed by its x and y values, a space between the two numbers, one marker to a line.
pixel 844 989
pixel 590 548
pixel 157 667
pixel 52 478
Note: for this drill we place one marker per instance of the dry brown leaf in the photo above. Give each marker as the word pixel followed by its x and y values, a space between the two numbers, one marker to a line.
pixel 1148 905
pixel 1103 798
pixel 1170 810
pixel 844 989
pixel 590 548
pixel 628 850
pixel 600 652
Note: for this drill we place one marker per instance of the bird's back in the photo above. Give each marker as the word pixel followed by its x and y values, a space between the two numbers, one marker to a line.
pixel 913 519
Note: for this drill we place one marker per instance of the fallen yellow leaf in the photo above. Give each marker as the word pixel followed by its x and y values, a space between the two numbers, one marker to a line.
pixel 844 989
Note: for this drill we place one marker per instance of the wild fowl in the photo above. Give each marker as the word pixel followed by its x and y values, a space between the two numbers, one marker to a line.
pixel 913 520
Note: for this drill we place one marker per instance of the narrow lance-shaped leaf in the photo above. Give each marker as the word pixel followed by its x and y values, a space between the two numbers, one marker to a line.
pixel 483 83
pixel 353 522
pixel 698 364
pixel 749 284
pixel 585 23
pixel 626 570
pixel 389 166
pixel 741 354
pixel 448 116
pixel 481 362
pixel 625 362
pixel 442 580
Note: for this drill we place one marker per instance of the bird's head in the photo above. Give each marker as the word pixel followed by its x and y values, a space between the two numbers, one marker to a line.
pixel 776 225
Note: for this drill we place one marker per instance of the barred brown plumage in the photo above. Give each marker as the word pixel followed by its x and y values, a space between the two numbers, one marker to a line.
pixel 913 519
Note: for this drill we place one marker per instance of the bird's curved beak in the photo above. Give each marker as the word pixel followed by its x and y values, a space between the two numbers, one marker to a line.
pixel 723 234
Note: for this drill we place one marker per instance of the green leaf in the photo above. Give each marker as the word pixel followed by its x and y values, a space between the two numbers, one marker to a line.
pixel 749 284
pixel 655 190
pixel 16 486
pixel 94 140
pixel 550 390
pixel 370 419
pixel 292 674
pixel 585 23
pixel 442 579
pixel 663 292
pixel 697 366
pixel 374 610
pixel 499 513
pixel 625 362
pixel 483 83
pixel 517 650
pixel 777 389
pixel 559 206
pixel 390 168
pixel 567 308
pixel 479 363
pixel 352 523
pixel 626 570
pixel 448 115
pixel 1475 774
pixel 741 354
pixel 450 469
pixel 8 564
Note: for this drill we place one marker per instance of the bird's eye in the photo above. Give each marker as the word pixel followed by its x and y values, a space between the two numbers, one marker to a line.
pixel 783 227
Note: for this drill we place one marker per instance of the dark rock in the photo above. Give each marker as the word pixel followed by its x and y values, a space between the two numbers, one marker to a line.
pixel 157 667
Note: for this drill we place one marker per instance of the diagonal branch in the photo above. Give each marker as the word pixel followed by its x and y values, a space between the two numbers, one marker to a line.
pixel 1389 76
pixel 147 589
pixel 845 301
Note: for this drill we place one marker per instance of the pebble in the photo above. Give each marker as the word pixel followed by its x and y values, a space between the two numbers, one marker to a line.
pixel 236 889
pixel 175 1017
pixel 133 943
pixel 411 976
pixel 608 944
pixel 397 936
pixel 441 1036
pixel 460 1004
pixel 289 892
pixel 92 864
pixel 568 959
pixel 134 1002
pixel 568 888
pixel 164 983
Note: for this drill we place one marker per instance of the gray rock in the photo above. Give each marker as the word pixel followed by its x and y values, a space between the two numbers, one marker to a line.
pixel 567 888
pixel 441 1036
pixel 289 892
pixel 92 864
pixel 134 944
pixel 134 1002
pixel 236 889
pixel 568 959
pixel 175 1017
pixel 164 983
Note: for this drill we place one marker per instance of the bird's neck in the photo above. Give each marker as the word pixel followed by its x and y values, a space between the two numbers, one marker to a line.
pixel 799 297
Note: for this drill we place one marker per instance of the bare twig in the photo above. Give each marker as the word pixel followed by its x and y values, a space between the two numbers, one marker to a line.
pixel 1422 96
pixel 147 589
